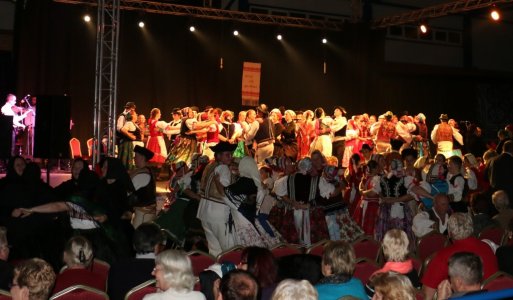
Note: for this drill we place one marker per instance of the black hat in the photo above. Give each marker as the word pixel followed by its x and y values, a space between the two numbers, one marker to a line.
pixel 148 154
pixel 130 105
pixel 444 117
pixel 366 147
pixel 223 147
pixel 263 109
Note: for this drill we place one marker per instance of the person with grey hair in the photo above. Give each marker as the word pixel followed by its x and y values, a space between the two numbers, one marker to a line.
pixel 500 200
pixel 465 276
pixel 290 289
pixel 33 280
pixel 460 229
pixel 174 277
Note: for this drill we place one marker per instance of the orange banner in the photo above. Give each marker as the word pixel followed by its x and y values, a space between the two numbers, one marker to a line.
pixel 251 83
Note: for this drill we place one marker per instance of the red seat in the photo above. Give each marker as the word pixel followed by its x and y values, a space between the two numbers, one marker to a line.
pixel 366 247
pixel 498 281
pixel 89 143
pixel 101 267
pixel 200 261
pixel 317 248
pixel 429 244
pixel 143 289
pixel 285 249
pixel 364 268
pixel 5 295
pixel 80 292
pixel 74 145
pixel 493 233
pixel 417 263
pixel 231 255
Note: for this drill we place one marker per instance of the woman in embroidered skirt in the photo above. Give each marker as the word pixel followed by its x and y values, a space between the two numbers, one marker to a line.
pixel 366 213
pixel 156 141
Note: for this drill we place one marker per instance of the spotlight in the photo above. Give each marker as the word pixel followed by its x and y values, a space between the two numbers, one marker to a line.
pixel 141 24
pixel 324 40
pixel 87 18
pixel 423 28
pixel 279 37
pixel 235 32
pixel 192 28
pixel 495 14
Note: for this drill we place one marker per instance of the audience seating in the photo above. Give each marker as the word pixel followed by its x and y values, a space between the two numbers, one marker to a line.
pixel 317 248
pixel 285 249
pixel 80 292
pixel 493 233
pixel 5 295
pixel 231 255
pixel 89 143
pixel 364 268
pixel 367 247
pixel 172 242
pixel 498 281
pixel 417 263
pixel 425 264
pixel 74 146
pixel 138 292
pixel 430 243
pixel 200 261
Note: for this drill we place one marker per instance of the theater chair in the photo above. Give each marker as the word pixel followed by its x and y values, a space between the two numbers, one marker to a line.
pixel 231 255
pixel 498 281
pixel 493 233
pixel 430 243
pixel 74 146
pixel 5 295
pixel 143 289
pixel 367 247
pixel 285 249
pixel 80 292
pixel 364 268
pixel 317 248
pixel 200 261
pixel 90 147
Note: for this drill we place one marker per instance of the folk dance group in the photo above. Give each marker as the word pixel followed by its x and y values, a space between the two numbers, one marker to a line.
pixel 300 177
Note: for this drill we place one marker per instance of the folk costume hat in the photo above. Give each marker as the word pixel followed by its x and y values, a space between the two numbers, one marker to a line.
pixel 444 117
pixel 223 147
pixel 130 105
pixel 148 154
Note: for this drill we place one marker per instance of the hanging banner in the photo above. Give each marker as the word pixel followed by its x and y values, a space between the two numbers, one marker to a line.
pixel 251 83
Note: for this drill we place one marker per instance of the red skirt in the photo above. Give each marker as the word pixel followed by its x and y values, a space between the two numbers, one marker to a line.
pixel 368 220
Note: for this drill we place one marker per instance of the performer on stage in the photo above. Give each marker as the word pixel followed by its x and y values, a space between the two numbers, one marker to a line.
pixel 443 136
pixel 10 108
pixel 264 136
pixel 384 132
pixel 186 146
pixel 156 139
pixel 129 107
pixel 323 131
pixel 338 127
pixel 421 135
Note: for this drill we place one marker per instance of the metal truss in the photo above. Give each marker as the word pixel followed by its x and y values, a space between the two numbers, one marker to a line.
pixel 435 11
pixel 217 14
pixel 105 98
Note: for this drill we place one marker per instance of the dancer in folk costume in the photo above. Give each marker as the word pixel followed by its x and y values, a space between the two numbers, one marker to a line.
pixel 421 135
pixel 322 142
pixel 364 136
pixel 244 197
pixel 131 137
pixel 366 213
pixel 187 144
pixel 351 140
pixel 393 211
pixel 384 131
pixel 156 141
pixel 306 134
pixel 443 135
pixel 353 175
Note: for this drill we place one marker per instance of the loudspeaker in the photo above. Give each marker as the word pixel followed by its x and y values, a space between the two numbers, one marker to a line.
pixel 52 130
pixel 5 136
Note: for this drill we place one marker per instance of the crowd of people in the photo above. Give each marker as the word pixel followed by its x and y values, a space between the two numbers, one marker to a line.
pixel 269 177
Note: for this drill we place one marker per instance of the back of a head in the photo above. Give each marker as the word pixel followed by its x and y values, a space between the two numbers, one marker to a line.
pixel 500 200
pixel 290 289
pixel 238 285
pixel 37 276
pixel 395 245
pixel 460 226
pixel 340 256
pixel 78 251
pixel 466 266
pixel 392 286
pixel 146 237
pixel 262 264
pixel 3 236
pixel 177 269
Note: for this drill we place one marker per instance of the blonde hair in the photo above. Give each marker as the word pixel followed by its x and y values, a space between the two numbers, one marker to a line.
pixel 499 198
pixel 395 245
pixel 290 289
pixel 37 276
pixel 78 251
pixel 339 255
pixel 177 269
pixel 392 286
pixel 460 226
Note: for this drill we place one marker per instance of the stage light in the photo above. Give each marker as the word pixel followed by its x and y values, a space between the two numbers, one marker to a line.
pixel 423 28
pixel 87 18
pixel 141 24
pixel 324 40
pixel 495 14
pixel 192 28
pixel 279 37
pixel 235 32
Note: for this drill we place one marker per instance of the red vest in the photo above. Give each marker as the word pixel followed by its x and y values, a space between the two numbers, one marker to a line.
pixel 386 131
pixel 444 133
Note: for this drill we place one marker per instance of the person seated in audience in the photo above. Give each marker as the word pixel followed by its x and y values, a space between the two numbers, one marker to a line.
pixel 33 280
pixel 71 186
pixel 503 253
pixel 238 285
pixel 261 263
pixel 338 265
pixel 460 231
pixel 210 279
pixel 465 277
pixel 78 257
pixel 174 277
pixel 392 286
pixel 456 182
pixel 290 289
pixel 130 272
pixel 6 269
pixel 143 198
pixel 395 249
pixel 434 219
pixel 479 207
pixel 500 200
